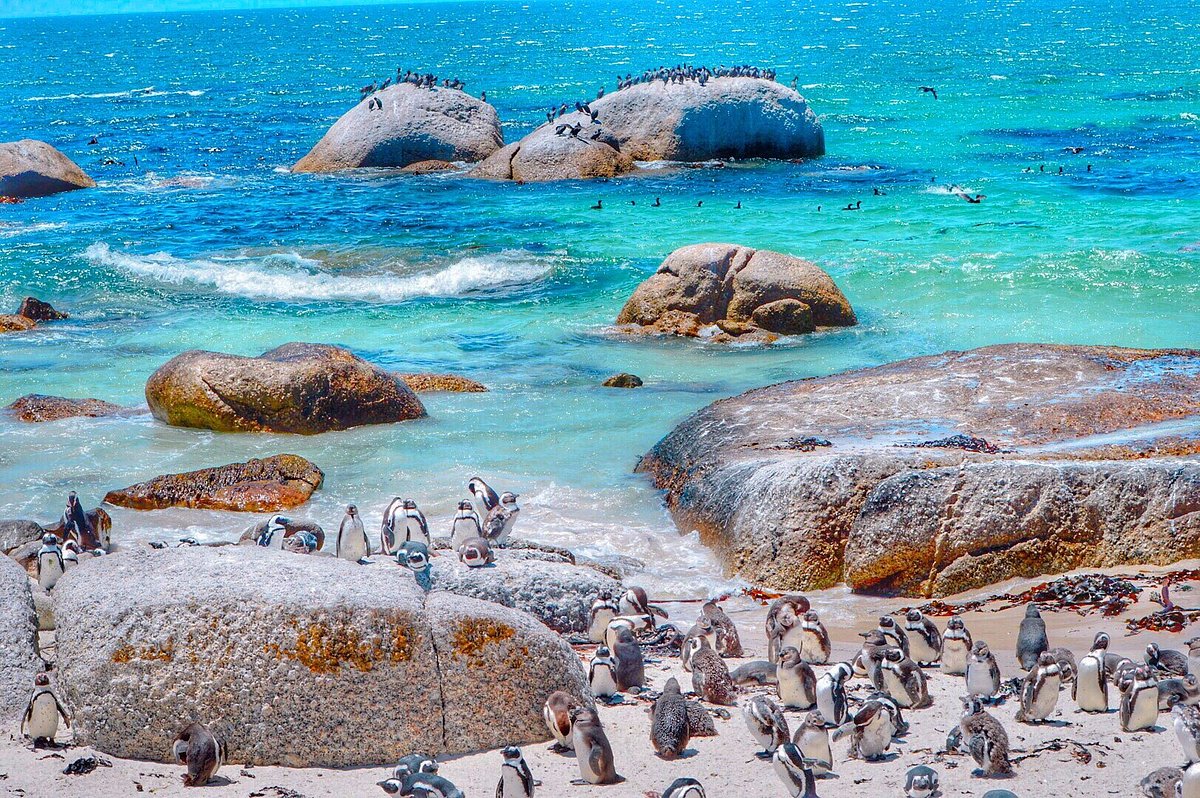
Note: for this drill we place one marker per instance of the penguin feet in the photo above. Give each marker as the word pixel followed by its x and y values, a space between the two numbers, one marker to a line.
pixel 764 755
pixel 559 748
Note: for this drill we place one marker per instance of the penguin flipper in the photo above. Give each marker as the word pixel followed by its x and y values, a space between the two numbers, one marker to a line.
pixel 66 718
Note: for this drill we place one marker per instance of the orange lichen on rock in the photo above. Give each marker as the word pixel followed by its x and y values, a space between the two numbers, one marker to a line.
pixel 128 653
pixel 470 637
pixel 324 647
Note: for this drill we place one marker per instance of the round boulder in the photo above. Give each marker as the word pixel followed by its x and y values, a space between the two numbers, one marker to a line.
pixel 31 168
pixel 553 152
pixel 414 124
pixel 623 380
pixel 299 388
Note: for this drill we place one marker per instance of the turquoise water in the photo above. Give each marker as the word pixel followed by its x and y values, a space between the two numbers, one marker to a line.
pixel 208 242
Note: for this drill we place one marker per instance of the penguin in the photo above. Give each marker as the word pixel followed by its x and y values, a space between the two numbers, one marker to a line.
pixel 710 677
pixel 1182 689
pixel 483 498
pixel 602 674
pixel 984 737
pixel 669 730
pixel 50 565
pixel 1065 658
pixel 757 672
pixel 634 623
pixel 421 785
pixel 70 555
pixel 920 782
pixel 700 720
pixel 831 693
pixel 1193 654
pixel 76 524
pixel 1161 783
pixel 767 724
pixel 557 714
pixel 631 665
pixel 1039 692
pixel 728 642
pixel 352 543
pixel 466 525
pixel 499 521
pixel 812 738
pixel 892 707
pixel 870 729
pixel 273 533
pixel 956 647
pixel 1189 783
pixel 414 763
pixel 476 553
pixel 1090 688
pixel 924 639
pixel 603 610
pixel 783 623
pixel 1139 701
pixel 815 646
pixel 1165 661
pixel 303 542
pixel 415 557
pixel 387 529
pixel 42 713
pixel 516 780
pixel 904 681
pixel 592 749
pixel 794 771
pixel 684 787
pixel 635 602
pixel 1031 638
pixel 983 674
pixel 895 634
pixel 415 526
pixel 702 628
pixel 796 679
pixel 874 649
pixel 201 751
pixel 1185 720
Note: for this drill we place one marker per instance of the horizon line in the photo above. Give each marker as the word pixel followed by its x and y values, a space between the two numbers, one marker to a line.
pixel 123 7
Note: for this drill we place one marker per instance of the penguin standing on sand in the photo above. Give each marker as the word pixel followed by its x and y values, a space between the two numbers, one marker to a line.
pixel 870 729
pixel 483 498
pixel 592 749
pixel 631 665
pixel 1139 701
pixel 685 786
pixel 602 674
pixel 767 724
pixel 466 525
pixel 201 751
pixel 415 526
pixel 352 543
pixel 985 739
pixel 1031 638
pixel 710 676
pixel 1185 720
pixel 783 623
pixel 956 647
pixel 669 730
pixel 42 713
pixel 924 639
pixel 729 644
pixel 476 553
pixel 831 693
pixel 797 680
pixel 983 674
pixel 50 565
pixel 870 657
pixel 812 738
pixel 516 780
pixel 498 524
pixel 815 646
pixel 603 610
pixel 794 771
pixel 702 628
pixel 920 782
pixel 557 714
pixel 1039 692
pixel 904 681
pixel 895 634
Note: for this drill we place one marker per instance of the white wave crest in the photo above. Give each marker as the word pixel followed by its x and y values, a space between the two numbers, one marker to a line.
pixel 288 276
pixel 147 91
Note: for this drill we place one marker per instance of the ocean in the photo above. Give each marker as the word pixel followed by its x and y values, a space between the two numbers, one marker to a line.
pixel 208 242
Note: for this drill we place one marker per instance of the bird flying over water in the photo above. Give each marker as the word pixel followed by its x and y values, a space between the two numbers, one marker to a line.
pixel 930 90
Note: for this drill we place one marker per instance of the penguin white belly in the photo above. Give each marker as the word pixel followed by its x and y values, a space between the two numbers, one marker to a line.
pixel 815 745
pixel 43 721
pixel 600 625
pixel 567 740
pixel 794 637
pixel 896 689
pixel 791 690
pixel 463 529
pixel 1145 710
pixel 810 648
pixel 353 546
pixel 979 680
pixel 876 737
pixel 585 760
pixel 954 657
pixel 825 702
pixel 49 571
pixel 511 784
pixel 603 683
pixel 920 650
pixel 506 531
pixel 415 532
pixel 1088 694
pixel 1046 699
pixel 1191 750
pixel 1189 785
pixel 785 776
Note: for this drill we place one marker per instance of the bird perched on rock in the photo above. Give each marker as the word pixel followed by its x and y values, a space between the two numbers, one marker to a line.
pixel 466 525
pixel 984 738
pixel 783 623
pixel 498 525
pixel 728 642
pixel 767 724
pixel 1039 692
pixel 352 543
pixel 476 553
pixel 956 647
pixel 43 712
pixel 50 565
pixel 1031 638
pixel 483 497
pixel 201 751
pixel 924 639
pixel 516 780
pixel 669 728
pixel 415 557
pixel 710 676
pixel 415 527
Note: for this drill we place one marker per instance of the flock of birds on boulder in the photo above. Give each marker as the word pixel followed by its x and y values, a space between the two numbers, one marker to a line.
pixel 426 80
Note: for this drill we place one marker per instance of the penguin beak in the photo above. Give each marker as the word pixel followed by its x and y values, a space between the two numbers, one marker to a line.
pixel 863 634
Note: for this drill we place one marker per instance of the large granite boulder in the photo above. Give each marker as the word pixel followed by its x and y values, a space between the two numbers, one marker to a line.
pixel 724 118
pixel 278 482
pixel 18 532
pixel 281 649
pixel 724 291
pixel 558 594
pixel 36 407
pixel 547 154
pixel 31 168
pixel 942 473
pixel 414 124
pixel 297 387
pixel 18 641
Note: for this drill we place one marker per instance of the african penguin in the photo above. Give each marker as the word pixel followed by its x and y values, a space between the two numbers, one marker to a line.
pixel 50 565
pixel 984 738
pixel 767 724
pixel 557 714
pixel 1180 689
pixel 924 639
pixel 1188 785
pixel 592 749
pixel 352 543
pixel 812 738
pixel 1031 638
pixel 603 610
pixel 920 782
pixel 634 623
pixel 783 623
pixel 273 533
pixel 794 771
pixel 631 665
pixel 702 628
pixel 421 785
pixel 466 525
pixel 904 681
pixel 728 642
pixel 1039 692
pixel 710 676
pixel 415 557
pixel 871 730
pixel 201 751
pixel 414 763
pixel 815 645
pixel 42 713
pixel 983 674
pixel 669 729
pixel 956 647
pixel 602 674
pixel 475 553
pixel 895 634
pixel 499 521
pixel 796 679
pixel 684 787
pixel 634 601
pixel 414 525
pixel 757 672
pixel 516 780
pixel 831 693
pixel 1165 661
pixel 483 498
pixel 1185 720
pixel 1139 701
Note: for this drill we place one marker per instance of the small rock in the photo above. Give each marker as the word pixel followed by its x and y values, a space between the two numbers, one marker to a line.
pixel 273 483
pixel 37 310
pixel 429 383
pixel 36 407
pixel 14 323
pixel 623 380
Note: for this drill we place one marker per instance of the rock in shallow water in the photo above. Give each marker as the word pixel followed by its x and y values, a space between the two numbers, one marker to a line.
pixel 30 168
pixel 273 483
pixel 623 380
pixel 19 662
pixel 36 407
pixel 1098 468
pixel 285 649
pixel 452 383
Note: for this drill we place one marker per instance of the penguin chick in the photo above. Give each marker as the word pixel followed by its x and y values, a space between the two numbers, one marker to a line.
pixel 983 674
pixel 634 601
pixel 592 749
pixel 1031 638
pixel 728 642
pixel 42 713
pixel 702 628
pixel 794 771
pixel 602 674
pixel 476 553
pixel 498 525
pixel 669 729
pixel 757 672
pixel 920 782
pixel 1139 701
pixel 684 787
pixel 815 646
pixel 812 738
pixel 1161 783
pixel 710 676
pixel 516 780
pixel 956 647
pixel 924 639
pixel 631 665
pixel 796 680
pixel 904 681
pixel 783 623
pixel 1039 692
pixel 557 714
pixel 1165 661
pixel 700 720
pixel 201 751
pixel 984 737
pixel 767 724
pixel 1186 722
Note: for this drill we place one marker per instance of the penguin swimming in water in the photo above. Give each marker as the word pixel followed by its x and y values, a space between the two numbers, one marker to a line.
pixel 815 646
pixel 415 557
pixel 42 713
pixel 767 724
pixel 924 639
pixel 796 679
pixel 556 712
pixel 498 524
pixel 466 525
pixel 1039 692
pixel 684 786
pixel 483 498
pixel 1031 638
pixel 273 533
pixel 592 749
pixel 920 782
pixel 352 543
pixel 794 771
pixel 831 693
pixel 201 751
pixel 50 565
pixel 603 610
pixel 516 780
pixel 602 674
pixel 783 623
pixel 476 553
pixel 956 647
pixel 1090 688
pixel 812 738
pixel 669 729
pixel 983 674
pixel 1139 701
pixel 984 738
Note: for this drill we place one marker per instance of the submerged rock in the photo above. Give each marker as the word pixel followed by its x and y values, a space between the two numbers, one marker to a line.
pixel 415 124
pixel 18 640
pixel 428 167
pixel 298 387
pixel 36 407
pixel 30 168
pixel 623 380
pixel 452 383
pixel 277 646
pixel 1096 463
pixel 37 310
pixel 273 483
pixel 545 155
pixel 738 291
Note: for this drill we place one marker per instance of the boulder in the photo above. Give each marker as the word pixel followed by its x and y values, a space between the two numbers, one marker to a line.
pixel 43 605
pixel 277 647
pixel 725 118
pixel 428 167
pixel 942 473
pixel 623 380
pixel 273 483
pixel 11 322
pixel 297 387
pixel 37 407
pixel 31 168
pixel 16 533
pixel 453 383
pixel 37 310
pixel 544 155
pixel 558 594
pixel 713 289
pixel 415 124
pixel 18 641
